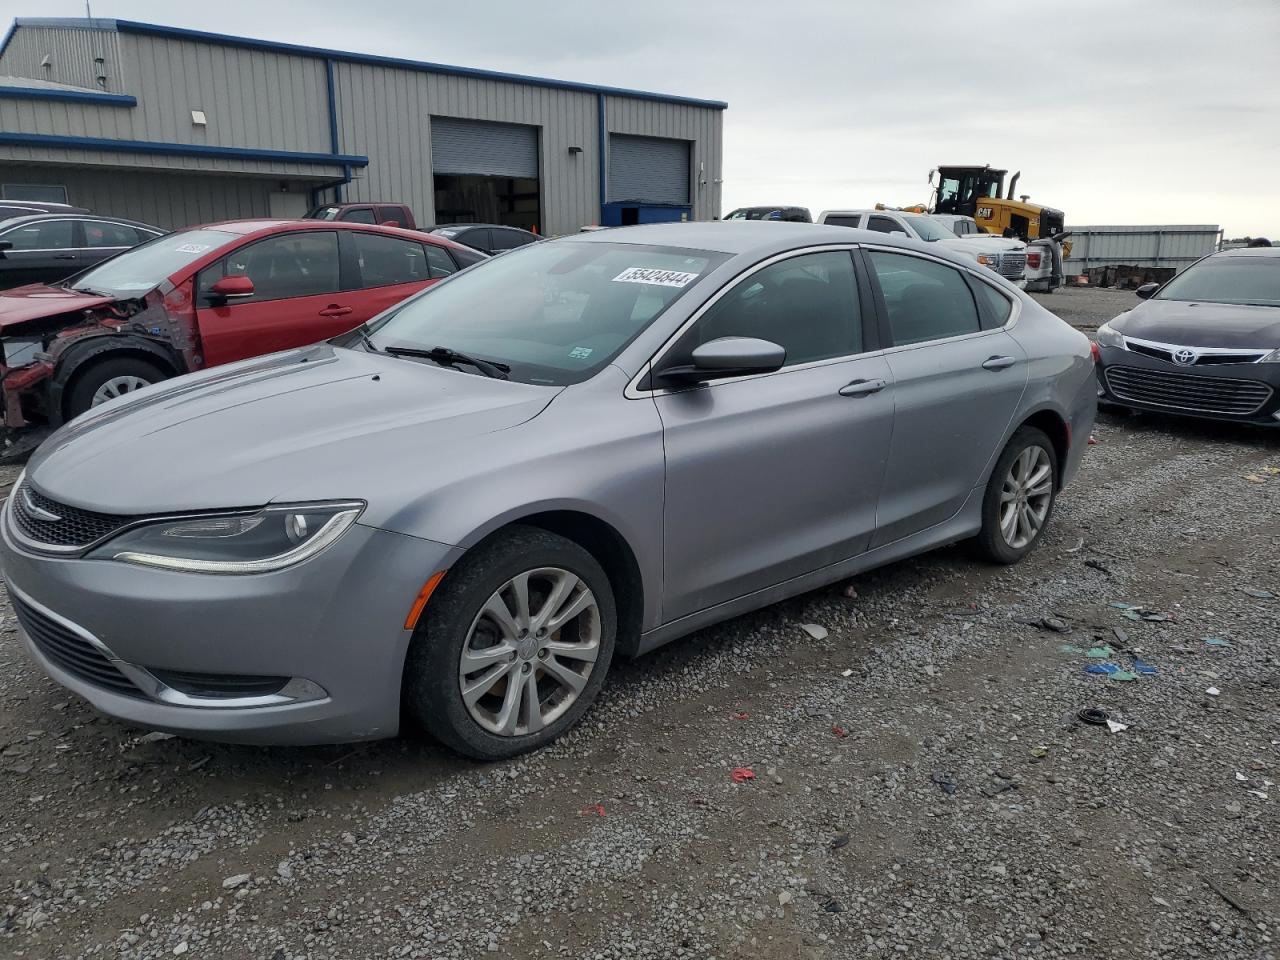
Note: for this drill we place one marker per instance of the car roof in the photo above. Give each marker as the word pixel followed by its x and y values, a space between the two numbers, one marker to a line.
pixel 1250 252
pixel 68 215
pixel 473 226
pixel 761 237
pixel 265 227
pixel 900 213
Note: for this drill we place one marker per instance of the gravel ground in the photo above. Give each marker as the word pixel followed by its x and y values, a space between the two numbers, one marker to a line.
pixel 940 800
pixel 1087 307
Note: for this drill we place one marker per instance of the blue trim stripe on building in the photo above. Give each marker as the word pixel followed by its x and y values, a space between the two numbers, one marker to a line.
pixel 78 96
pixel 180 149
pixel 602 147
pixel 201 36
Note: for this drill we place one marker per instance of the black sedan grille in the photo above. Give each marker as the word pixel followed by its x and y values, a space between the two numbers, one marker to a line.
pixel 70 651
pixel 1206 358
pixel 32 512
pixel 1188 391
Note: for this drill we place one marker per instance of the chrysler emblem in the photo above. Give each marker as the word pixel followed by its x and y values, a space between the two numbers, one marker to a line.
pixel 38 511
pixel 1185 356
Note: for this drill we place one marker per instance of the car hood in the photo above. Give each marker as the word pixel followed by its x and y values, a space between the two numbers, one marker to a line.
pixel 315 423
pixel 976 244
pixel 37 301
pixel 1193 324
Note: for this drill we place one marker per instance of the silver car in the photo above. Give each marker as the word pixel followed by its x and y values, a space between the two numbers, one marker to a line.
pixel 587 447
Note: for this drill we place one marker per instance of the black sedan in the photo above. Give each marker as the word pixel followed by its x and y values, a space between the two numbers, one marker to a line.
pixel 491 238
pixel 48 247
pixel 1206 344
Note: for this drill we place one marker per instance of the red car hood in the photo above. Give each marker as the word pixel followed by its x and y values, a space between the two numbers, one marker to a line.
pixel 36 300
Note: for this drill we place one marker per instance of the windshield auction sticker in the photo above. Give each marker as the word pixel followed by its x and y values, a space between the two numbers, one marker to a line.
pixel 663 278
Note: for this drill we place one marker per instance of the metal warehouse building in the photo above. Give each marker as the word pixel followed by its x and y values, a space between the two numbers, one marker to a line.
pixel 175 126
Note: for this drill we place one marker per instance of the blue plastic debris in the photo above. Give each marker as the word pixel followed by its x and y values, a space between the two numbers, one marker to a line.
pixel 1146 669
pixel 1101 668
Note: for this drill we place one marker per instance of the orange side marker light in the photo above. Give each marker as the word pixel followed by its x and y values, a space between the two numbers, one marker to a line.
pixel 428 588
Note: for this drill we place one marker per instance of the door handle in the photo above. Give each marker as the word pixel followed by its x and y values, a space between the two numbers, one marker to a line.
pixel 65 256
pixel 998 363
pixel 333 310
pixel 862 388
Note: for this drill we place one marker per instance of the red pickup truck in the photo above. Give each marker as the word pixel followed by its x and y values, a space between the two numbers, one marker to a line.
pixel 201 297
pixel 387 214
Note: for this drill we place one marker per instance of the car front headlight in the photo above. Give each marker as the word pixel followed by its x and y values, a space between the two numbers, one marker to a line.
pixel 991 260
pixel 1109 336
pixel 234 543
pixel 1272 357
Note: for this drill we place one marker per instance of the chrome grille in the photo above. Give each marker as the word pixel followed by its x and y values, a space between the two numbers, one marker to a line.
pixel 73 527
pixel 70 651
pixel 1012 264
pixel 1207 357
pixel 1188 391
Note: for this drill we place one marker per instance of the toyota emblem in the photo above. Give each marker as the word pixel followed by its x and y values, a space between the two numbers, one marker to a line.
pixel 1184 356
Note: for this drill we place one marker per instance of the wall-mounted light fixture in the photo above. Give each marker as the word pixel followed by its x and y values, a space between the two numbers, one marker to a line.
pixel 199 119
pixel 575 149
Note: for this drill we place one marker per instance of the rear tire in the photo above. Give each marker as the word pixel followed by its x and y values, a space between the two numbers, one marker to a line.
pixel 557 664
pixel 1020 497
pixel 108 378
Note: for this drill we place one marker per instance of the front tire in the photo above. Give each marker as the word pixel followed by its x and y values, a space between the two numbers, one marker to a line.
pixel 1020 497
pixel 110 378
pixel 514 645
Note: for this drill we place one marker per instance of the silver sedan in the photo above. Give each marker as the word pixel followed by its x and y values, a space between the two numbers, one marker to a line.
pixel 587 447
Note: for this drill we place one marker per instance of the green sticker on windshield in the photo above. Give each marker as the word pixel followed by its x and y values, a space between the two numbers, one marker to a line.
pixel 580 353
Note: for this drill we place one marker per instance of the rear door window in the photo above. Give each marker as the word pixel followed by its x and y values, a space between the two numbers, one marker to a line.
pixel 387 260
pixel 98 233
pixel 924 300
pixel 393 215
pixel 281 267
pixel 439 261
pixel 838 220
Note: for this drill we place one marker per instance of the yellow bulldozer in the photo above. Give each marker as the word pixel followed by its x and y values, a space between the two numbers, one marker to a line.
pixel 979 192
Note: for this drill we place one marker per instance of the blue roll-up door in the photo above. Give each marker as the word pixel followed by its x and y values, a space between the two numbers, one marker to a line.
pixel 648 169
pixel 487 149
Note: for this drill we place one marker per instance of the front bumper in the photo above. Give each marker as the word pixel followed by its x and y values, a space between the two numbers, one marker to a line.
pixel 1229 392
pixel 335 624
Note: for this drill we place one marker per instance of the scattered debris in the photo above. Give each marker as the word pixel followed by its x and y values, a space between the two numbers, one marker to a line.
pixel 850 592
pixel 815 630
pixel 238 880
pixel 1106 668
pixel 1121 635
pixel 1099 653
pixel 1100 566
pixel 1217 642
pixel 785 897
pixel 846 673
pixel 741 715
pixel 840 840
pixel 1115 726
pixel 593 810
pixel 1056 624
pixel 742 774
pixel 947 781
pixel 155 737
pixel 1094 716
pixel 1258 594
pixel 1122 676
pixel 1071 648
pixel 1093 441
pixel 839 731
pixel 999 786
pixel 1213 691
pixel 1076 548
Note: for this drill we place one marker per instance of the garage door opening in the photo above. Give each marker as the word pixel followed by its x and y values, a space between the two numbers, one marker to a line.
pixel 485 172
pixel 470 198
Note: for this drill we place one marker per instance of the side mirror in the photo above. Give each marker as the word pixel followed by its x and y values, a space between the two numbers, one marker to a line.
pixel 727 357
pixel 1145 291
pixel 232 288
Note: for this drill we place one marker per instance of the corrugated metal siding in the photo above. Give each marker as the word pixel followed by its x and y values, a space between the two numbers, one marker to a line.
pixel 491 149
pixel 676 121
pixel 123 158
pixel 71 52
pixel 168 200
pixel 385 113
pixel 1171 245
pixel 648 169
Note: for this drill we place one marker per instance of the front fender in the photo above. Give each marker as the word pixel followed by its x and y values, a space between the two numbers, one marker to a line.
pixel 74 354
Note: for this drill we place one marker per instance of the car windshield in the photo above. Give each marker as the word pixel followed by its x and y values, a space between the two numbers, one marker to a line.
pixel 323 213
pixel 929 229
pixel 554 312
pixel 1249 280
pixel 142 268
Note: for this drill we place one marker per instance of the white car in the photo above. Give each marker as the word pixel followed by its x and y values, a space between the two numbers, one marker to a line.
pixel 1006 257
pixel 1041 273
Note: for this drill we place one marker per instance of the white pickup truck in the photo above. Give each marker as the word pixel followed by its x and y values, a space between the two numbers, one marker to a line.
pixel 1006 257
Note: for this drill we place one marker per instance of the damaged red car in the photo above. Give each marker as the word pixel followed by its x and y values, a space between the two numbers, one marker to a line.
pixel 198 298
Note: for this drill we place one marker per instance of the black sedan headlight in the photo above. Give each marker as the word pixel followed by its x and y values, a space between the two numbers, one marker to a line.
pixel 1109 336
pixel 234 543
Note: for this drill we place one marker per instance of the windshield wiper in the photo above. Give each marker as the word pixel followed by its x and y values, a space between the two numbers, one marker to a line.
pixel 447 357
pixel 368 340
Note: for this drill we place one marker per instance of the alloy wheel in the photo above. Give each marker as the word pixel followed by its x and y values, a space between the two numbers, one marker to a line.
pixel 118 387
pixel 1026 497
pixel 530 651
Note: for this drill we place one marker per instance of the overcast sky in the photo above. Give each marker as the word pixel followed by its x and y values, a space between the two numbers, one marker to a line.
pixel 1115 111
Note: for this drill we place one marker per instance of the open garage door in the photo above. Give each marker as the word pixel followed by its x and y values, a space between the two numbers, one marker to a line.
pixel 485 172
pixel 648 180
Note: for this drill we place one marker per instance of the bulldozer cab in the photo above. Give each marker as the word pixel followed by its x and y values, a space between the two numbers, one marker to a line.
pixel 961 189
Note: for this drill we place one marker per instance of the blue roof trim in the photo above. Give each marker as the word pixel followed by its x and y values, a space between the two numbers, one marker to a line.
pixel 180 149
pixel 79 96
pixel 202 36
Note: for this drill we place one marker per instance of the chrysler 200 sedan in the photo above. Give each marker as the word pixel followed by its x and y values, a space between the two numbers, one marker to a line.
pixel 461 511
pixel 1206 344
